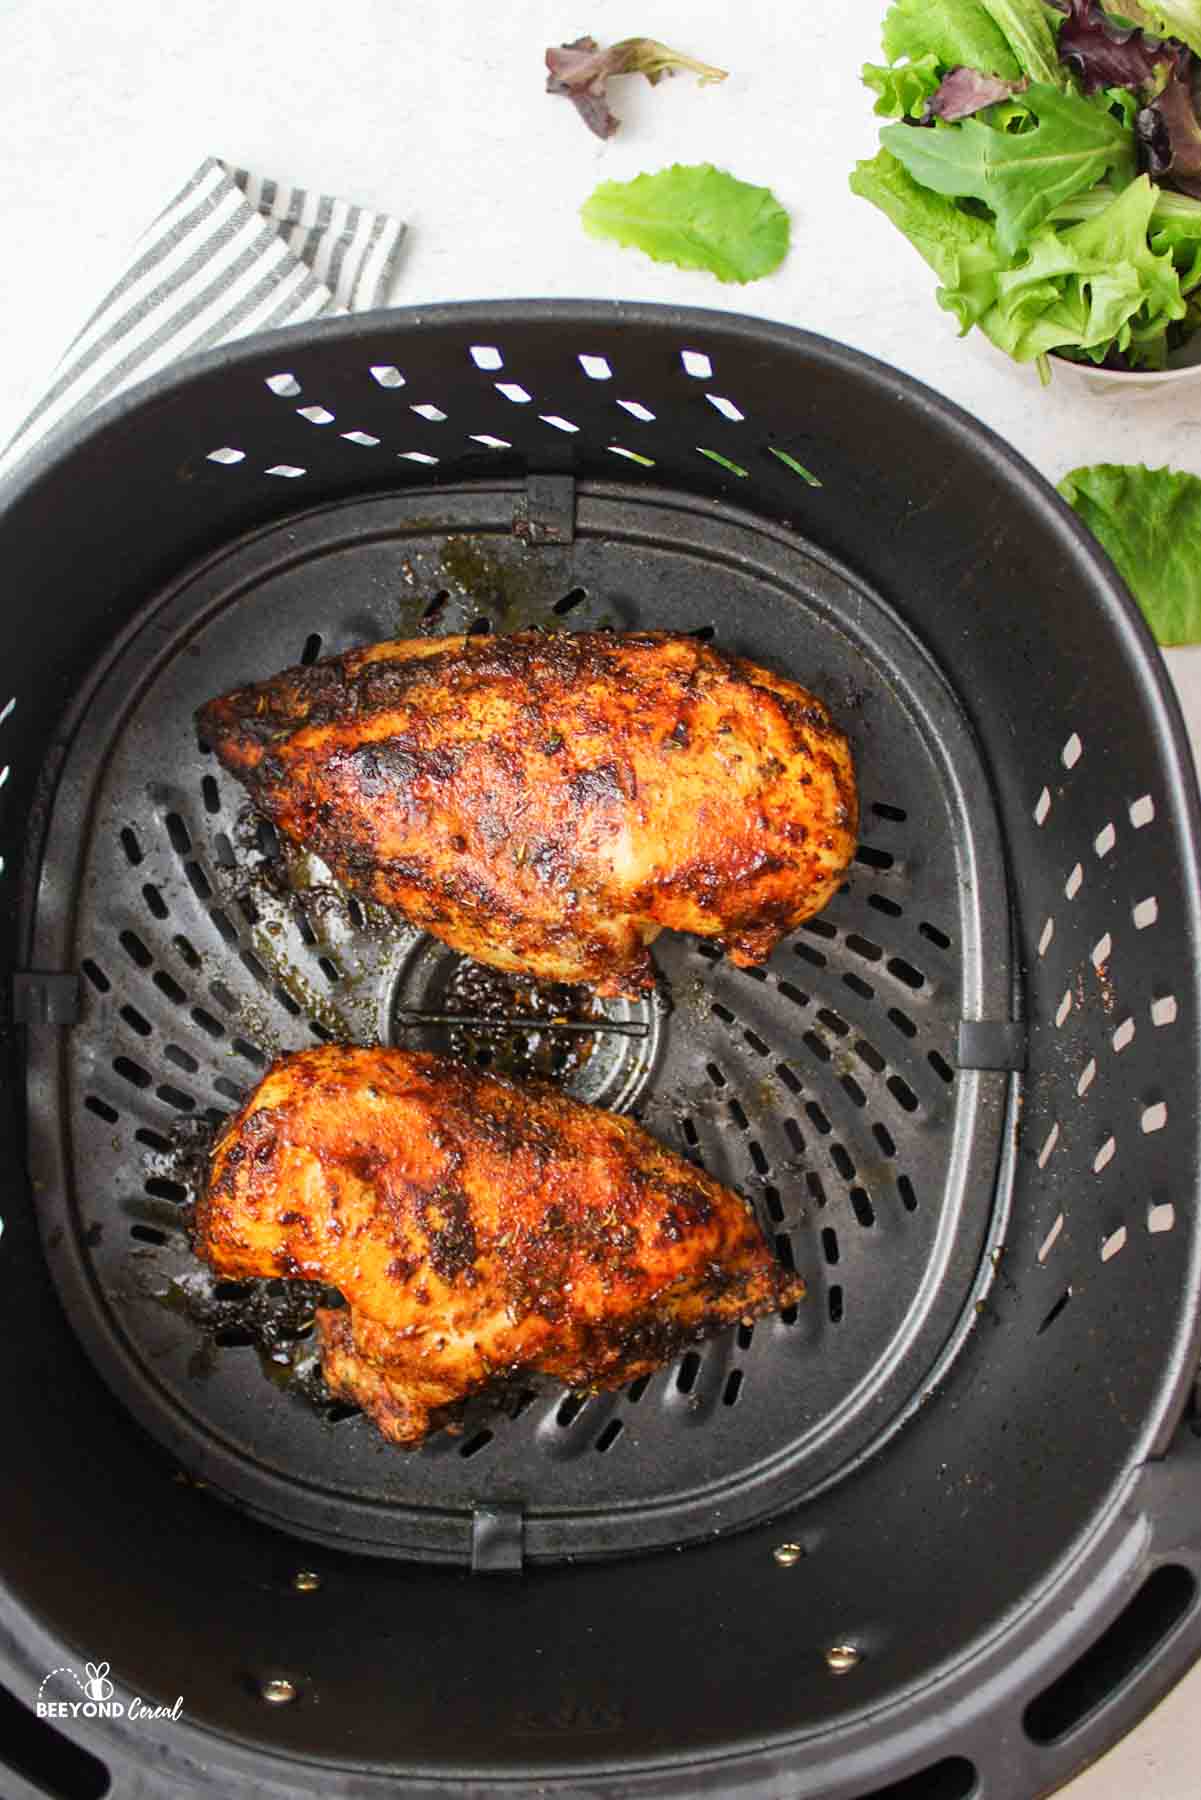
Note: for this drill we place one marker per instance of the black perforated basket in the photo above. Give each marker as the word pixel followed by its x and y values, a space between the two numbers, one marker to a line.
pixel 933 1532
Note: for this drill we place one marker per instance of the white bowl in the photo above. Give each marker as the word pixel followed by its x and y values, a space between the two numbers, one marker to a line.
pixel 1183 367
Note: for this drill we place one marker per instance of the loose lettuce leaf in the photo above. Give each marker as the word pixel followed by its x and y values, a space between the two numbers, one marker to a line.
pixel 695 216
pixel 1149 520
pixel 1166 18
pixel 647 56
pixel 1021 175
pixel 1028 33
pixel 581 71
pixel 962 92
pixel 953 31
pixel 903 91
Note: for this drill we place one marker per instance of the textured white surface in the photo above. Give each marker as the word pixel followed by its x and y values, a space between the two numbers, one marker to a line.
pixel 435 112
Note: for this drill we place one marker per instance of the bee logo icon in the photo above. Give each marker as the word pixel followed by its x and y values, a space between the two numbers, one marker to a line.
pixel 98 1686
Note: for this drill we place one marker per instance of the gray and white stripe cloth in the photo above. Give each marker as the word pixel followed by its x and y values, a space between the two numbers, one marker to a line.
pixel 232 253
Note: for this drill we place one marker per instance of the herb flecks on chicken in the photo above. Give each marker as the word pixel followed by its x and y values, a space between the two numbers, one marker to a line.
pixel 547 803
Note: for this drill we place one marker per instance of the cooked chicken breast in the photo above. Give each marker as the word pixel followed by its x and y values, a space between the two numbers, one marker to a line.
pixel 548 803
pixel 478 1230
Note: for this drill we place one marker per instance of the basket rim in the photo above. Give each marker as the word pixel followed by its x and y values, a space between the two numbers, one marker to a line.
pixel 1139 652
pixel 43 456
pixel 1133 645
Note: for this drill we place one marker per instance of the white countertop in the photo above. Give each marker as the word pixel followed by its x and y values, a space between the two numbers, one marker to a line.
pixel 436 113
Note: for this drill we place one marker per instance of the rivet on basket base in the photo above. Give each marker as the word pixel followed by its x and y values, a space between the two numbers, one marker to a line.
pixel 277 1691
pixel 787 1555
pixel 842 1658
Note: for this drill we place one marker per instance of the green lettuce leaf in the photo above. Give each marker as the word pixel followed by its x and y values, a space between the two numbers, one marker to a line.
pixel 952 241
pixel 1097 283
pixel 903 91
pixel 1088 287
pixel 1127 101
pixel 1117 238
pixel 953 31
pixel 1149 520
pixel 1028 33
pixel 960 247
pixel 1175 227
pixel 964 91
pixel 1166 18
pixel 695 216
pixel 1021 175
pixel 1176 231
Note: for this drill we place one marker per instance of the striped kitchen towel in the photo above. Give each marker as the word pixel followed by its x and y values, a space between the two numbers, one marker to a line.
pixel 231 254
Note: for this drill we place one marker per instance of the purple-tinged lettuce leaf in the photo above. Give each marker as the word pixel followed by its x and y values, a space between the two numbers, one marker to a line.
pixel 964 91
pixel 581 71
pixel 646 56
pixel 1166 19
pixel 1149 521
pixel 1169 138
pixel 1102 56
pixel 902 91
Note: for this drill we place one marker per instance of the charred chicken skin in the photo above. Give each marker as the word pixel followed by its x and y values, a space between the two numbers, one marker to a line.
pixel 549 803
pixel 477 1230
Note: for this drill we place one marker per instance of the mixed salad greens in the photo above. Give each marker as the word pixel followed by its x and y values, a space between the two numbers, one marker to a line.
pixel 1045 159
pixel 1046 162
pixel 693 215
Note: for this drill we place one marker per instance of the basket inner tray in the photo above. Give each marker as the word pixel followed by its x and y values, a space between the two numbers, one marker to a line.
pixel 826 1086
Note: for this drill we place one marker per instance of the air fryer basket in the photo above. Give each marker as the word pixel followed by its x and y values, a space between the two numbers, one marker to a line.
pixel 931 1533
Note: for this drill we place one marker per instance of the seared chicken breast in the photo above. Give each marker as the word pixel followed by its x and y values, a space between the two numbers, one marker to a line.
pixel 477 1230
pixel 547 803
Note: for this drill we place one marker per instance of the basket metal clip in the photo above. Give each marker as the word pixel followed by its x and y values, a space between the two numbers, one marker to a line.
pixel 40 998
pixel 548 514
pixel 991 1044
pixel 497 1538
